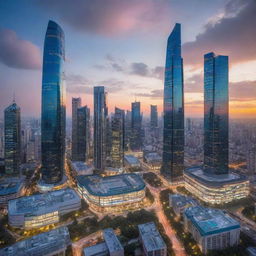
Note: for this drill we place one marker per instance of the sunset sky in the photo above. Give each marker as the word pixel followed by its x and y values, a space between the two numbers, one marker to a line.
pixel 121 44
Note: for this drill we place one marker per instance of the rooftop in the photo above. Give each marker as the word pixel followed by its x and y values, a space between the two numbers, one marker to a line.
pixel 10 186
pixel 153 156
pixel 152 240
pixel 98 249
pixel 42 203
pixel 82 167
pixel 213 179
pixel 210 221
pixel 180 201
pixel 111 240
pixel 131 159
pixel 40 245
pixel 111 185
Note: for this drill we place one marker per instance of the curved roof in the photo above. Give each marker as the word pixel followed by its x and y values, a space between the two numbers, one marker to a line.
pixel 111 185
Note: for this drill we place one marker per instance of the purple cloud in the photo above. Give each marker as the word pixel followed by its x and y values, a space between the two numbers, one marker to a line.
pixel 18 53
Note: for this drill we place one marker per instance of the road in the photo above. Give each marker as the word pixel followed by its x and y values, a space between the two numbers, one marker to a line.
pixel 176 244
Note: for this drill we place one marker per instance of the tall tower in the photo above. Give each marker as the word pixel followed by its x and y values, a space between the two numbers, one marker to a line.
pixel 216 113
pixel 153 116
pixel 53 116
pixel 100 115
pixel 83 133
pixel 117 147
pixel 12 140
pixel 76 103
pixel 173 136
pixel 136 141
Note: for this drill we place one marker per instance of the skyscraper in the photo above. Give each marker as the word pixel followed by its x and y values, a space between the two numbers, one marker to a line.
pixel 53 105
pixel 215 113
pixel 153 116
pixel 76 103
pixel 83 133
pixel 136 141
pixel 117 148
pixel 173 136
pixel 12 139
pixel 100 115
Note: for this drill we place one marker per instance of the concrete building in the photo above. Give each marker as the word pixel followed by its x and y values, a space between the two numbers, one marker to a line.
pixel 211 228
pixel 54 242
pixel 179 203
pixel 216 189
pixel 131 161
pixel 153 243
pixel 81 168
pixel 43 209
pixel 154 160
pixel 112 193
pixel 111 246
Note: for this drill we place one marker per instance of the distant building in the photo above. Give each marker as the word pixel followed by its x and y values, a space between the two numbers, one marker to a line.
pixel 153 116
pixel 54 242
pixel 111 246
pixel 211 228
pixel 154 160
pixel 153 243
pixel 216 189
pixel 112 193
pixel 127 130
pixel 53 117
pixel 136 132
pixel 81 168
pixel 180 202
pixel 12 140
pixel 173 136
pixel 117 145
pixel 100 116
pixel 131 161
pixel 43 209
pixel 76 103
pixel 83 133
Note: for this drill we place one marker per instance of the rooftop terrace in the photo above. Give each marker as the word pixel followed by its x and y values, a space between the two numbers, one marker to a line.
pixel 210 221
pixel 111 185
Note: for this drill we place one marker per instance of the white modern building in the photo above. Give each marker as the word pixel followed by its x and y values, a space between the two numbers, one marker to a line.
pixel 153 243
pixel 81 168
pixel 211 228
pixel 43 209
pixel 54 242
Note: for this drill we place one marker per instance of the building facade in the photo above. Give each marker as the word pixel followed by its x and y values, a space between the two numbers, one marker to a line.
pixel 83 133
pixel 117 145
pixel 100 116
pixel 12 140
pixel 216 114
pixel 76 103
pixel 53 116
pixel 153 116
pixel 173 136
pixel 136 140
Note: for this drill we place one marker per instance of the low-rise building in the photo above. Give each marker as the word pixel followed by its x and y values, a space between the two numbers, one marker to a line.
pixel 54 242
pixel 180 202
pixel 153 243
pixel 10 188
pixel 42 209
pixel 81 168
pixel 112 193
pixel 111 246
pixel 211 228
pixel 131 161
pixel 154 160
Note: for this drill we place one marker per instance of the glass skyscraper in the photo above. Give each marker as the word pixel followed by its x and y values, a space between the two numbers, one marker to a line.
pixel 215 114
pixel 173 135
pixel 100 116
pixel 53 105
pixel 76 103
pixel 12 140
pixel 153 116
pixel 136 140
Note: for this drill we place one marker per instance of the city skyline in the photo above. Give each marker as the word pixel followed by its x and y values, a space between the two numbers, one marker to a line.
pixel 139 74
